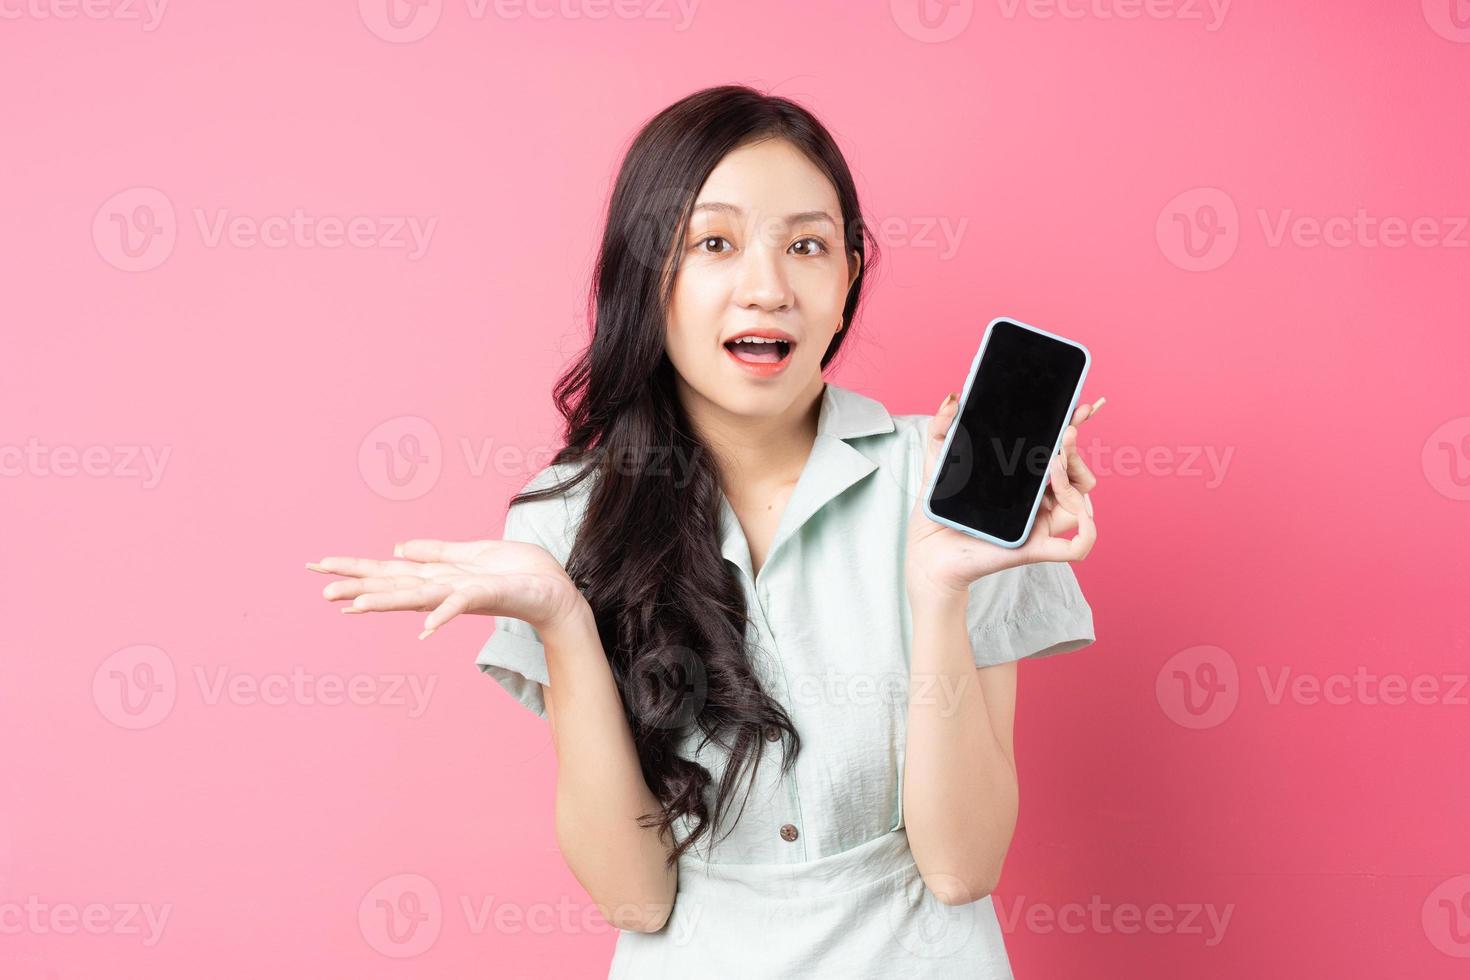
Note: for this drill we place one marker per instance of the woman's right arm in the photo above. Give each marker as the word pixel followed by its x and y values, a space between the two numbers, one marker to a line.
pixel 600 789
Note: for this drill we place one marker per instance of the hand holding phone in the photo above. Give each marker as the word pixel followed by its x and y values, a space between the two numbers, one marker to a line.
pixel 997 476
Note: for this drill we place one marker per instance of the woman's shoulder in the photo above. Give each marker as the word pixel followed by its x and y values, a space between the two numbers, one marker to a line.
pixel 550 520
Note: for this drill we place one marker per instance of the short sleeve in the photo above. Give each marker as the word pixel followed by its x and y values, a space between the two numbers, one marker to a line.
pixel 1032 610
pixel 514 655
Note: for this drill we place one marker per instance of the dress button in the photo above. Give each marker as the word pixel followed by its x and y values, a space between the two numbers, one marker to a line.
pixel 788 831
pixel 773 734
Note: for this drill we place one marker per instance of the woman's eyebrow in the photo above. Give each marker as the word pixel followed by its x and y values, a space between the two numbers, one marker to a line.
pixel 796 218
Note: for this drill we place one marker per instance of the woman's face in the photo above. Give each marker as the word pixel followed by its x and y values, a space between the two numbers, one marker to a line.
pixel 763 255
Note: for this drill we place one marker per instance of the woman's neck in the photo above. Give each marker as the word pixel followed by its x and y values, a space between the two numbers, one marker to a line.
pixel 757 453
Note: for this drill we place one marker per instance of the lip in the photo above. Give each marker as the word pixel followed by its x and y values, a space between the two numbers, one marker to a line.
pixel 762 370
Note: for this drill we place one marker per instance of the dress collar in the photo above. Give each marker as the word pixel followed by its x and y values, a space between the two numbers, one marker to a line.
pixel 833 466
pixel 846 414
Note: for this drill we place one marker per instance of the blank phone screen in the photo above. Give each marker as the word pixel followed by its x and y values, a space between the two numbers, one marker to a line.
pixel 1015 410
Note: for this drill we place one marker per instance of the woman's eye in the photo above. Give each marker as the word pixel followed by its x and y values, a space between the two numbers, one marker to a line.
pixel 710 238
pixel 815 243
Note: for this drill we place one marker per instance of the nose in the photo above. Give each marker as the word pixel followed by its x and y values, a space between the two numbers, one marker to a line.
pixel 763 284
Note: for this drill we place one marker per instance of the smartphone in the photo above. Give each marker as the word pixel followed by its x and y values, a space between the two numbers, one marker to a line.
pixel 1020 394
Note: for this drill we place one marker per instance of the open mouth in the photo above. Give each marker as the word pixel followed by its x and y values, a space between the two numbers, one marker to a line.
pixel 752 350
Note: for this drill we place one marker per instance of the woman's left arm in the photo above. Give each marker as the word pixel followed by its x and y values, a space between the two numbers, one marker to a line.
pixel 960 792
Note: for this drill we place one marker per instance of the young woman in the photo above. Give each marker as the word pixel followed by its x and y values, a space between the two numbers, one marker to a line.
pixel 781 698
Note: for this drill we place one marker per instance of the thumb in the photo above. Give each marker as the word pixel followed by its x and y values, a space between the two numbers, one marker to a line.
pixel 938 429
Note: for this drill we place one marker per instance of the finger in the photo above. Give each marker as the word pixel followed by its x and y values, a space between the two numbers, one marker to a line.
pixel 1076 548
pixel 351 588
pixel 1078 507
pixel 425 597
pixel 943 417
pixel 377 568
pixel 1086 536
pixel 455 603
pixel 1059 519
pixel 432 549
pixel 1067 496
pixel 1079 475
pixel 1085 412
pixel 1077 470
pixel 938 429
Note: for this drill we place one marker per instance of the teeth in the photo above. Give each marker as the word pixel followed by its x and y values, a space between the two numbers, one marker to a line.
pixel 756 340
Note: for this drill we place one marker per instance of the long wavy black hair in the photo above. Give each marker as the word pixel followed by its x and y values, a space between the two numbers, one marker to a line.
pixel 670 611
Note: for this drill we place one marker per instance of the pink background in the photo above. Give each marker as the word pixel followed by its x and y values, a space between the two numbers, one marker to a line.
pixel 1163 767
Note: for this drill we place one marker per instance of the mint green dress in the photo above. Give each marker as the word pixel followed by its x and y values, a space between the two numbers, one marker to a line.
pixel 816 877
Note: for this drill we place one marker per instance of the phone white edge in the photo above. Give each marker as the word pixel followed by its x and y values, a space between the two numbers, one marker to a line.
pixel 928 490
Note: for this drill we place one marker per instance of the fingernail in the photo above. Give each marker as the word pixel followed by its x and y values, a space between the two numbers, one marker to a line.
pixel 353 609
pixel 1098 404
pixel 427 632
pixel 315 567
pixel 1088 501
pixel 398 551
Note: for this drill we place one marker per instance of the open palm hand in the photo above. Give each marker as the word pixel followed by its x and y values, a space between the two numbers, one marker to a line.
pixel 447 578
pixel 942 558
